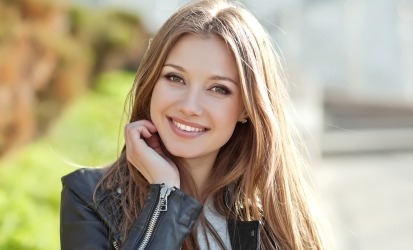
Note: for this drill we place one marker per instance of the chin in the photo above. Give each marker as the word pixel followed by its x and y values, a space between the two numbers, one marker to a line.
pixel 180 154
pixel 171 148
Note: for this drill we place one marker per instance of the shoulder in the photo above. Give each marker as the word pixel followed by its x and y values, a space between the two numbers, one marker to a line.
pixel 84 176
pixel 83 182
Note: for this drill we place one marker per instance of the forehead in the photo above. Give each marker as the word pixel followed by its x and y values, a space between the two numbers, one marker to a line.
pixel 204 52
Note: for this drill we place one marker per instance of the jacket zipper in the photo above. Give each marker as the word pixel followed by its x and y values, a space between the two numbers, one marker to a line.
pixel 161 206
pixel 115 245
pixel 115 241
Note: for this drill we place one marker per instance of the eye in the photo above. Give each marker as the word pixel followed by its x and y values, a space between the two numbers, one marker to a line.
pixel 221 90
pixel 174 78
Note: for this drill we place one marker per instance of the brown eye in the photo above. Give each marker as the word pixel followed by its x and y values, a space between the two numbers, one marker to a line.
pixel 174 78
pixel 221 90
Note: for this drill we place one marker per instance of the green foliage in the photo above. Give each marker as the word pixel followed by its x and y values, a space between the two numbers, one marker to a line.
pixel 103 28
pixel 88 133
pixel 82 135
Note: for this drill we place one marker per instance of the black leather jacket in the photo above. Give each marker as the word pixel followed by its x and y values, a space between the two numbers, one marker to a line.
pixel 168 216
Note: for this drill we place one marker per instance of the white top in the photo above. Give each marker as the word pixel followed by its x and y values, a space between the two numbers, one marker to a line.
pixel 219 223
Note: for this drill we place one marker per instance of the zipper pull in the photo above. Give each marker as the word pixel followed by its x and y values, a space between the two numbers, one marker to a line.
pixel 115 245
pixel 116 239
pixel 163 197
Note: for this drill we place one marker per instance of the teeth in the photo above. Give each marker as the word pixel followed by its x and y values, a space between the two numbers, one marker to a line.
pixel 187 128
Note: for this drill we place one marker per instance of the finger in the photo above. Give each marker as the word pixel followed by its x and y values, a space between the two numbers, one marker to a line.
pixel 154 143
pixel 138 151
pixel 145 123
pixel 144 127
pixel 140 123
pixel 143 131
pixel 135 139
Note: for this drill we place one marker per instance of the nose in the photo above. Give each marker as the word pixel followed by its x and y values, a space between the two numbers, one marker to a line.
pixel 191 102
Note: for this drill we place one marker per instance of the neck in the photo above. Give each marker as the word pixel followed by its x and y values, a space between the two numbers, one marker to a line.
pixel 199 169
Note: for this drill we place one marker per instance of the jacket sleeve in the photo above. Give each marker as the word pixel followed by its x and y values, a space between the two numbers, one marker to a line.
pixel 173 225
pixel 82 225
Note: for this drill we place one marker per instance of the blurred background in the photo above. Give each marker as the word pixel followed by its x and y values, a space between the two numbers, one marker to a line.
pixel 66 69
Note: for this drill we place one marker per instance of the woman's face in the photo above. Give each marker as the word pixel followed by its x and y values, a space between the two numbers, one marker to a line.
pixel 196 102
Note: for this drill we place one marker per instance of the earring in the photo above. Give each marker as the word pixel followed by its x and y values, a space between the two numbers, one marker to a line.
pixel 243 121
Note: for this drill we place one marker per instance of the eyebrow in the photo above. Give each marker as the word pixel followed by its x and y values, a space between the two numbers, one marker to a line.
pixel 215 77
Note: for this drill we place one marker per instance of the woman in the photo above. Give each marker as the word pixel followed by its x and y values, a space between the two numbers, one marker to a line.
pixel 210 160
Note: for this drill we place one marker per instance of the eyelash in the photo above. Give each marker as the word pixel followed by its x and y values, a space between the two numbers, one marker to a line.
pixel 170 77
pixel 221 90
pixel 217 89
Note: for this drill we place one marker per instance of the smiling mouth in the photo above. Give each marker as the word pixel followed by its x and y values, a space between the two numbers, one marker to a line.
pixel 187 128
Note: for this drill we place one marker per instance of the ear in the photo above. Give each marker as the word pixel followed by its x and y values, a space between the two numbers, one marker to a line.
pixel 243 117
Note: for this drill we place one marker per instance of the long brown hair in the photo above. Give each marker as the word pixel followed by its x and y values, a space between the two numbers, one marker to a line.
pixel 260 167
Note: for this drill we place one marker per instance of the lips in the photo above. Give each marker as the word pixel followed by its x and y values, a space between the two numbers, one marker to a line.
pixel 188 128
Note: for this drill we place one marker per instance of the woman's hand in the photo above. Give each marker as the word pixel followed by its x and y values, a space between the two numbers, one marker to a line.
pixel 143 150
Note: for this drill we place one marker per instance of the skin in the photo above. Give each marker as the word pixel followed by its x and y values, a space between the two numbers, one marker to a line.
pixel 196 103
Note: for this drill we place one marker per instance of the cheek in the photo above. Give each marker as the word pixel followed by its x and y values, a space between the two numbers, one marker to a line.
pixel 226 118
pixel 228 113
